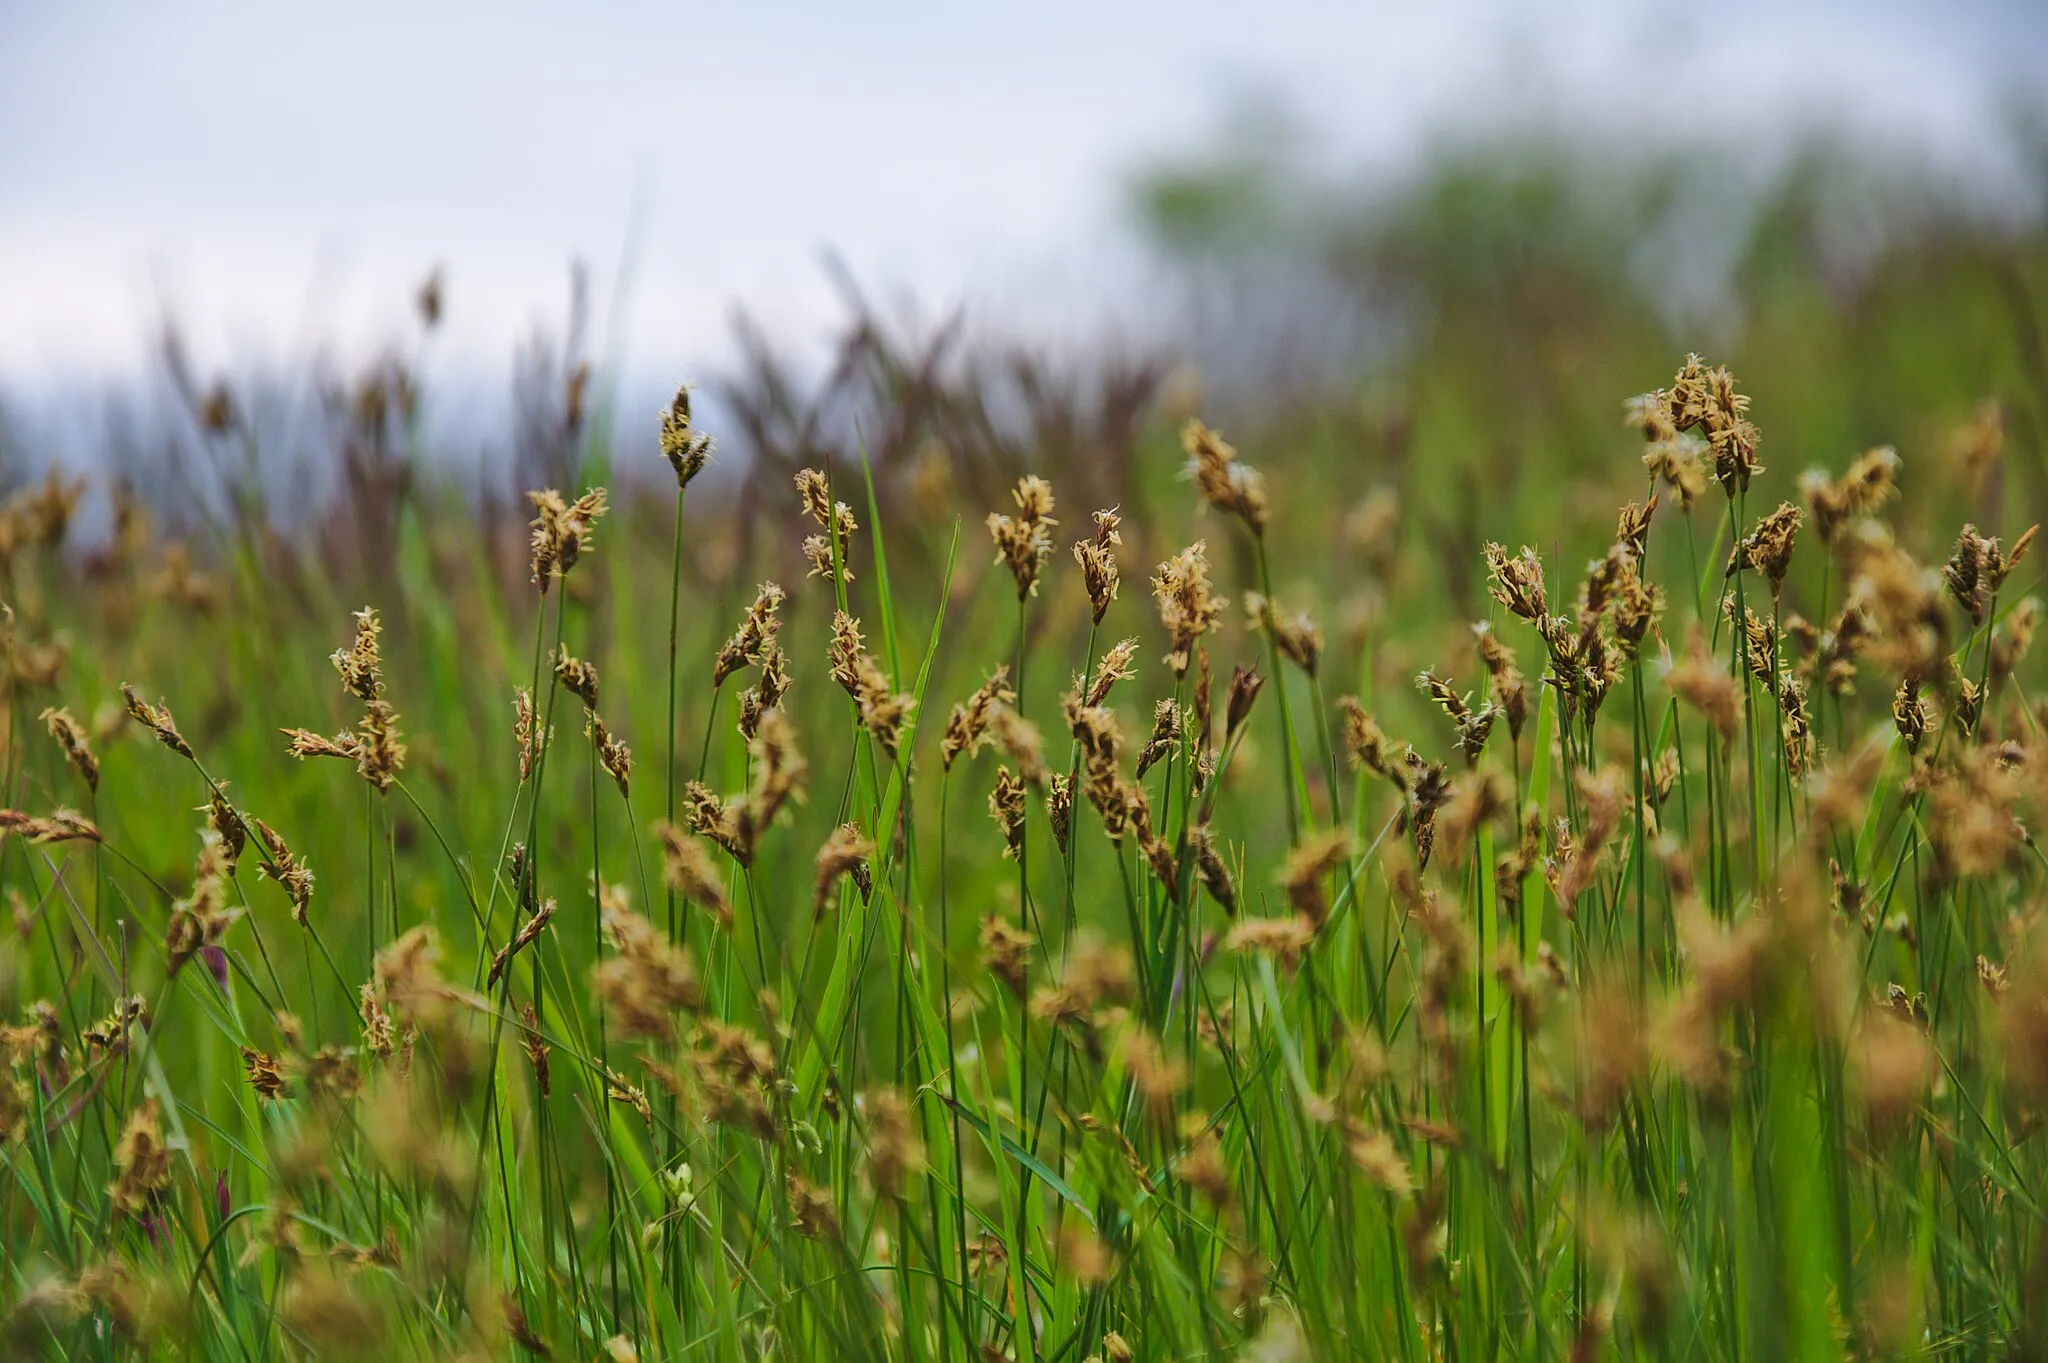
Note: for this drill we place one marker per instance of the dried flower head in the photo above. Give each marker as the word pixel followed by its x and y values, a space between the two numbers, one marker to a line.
pixel 648 982
pixel 142 1162
pixel 682 444
pixel 1867 485
pixel 1505 683
pixel 291 874
pixel 612 753
pixel 844 855
pixel 1768 546
pixel 359 664
pixel 1006 807
pixel 1225 482
pixel 688 870
pixel 1099 573
pixel 1188 609
pixel 70 736
pixel 1308 866
pixel 1005 952
pixel 535 924
pixel 528 732
pixel 578 677
pixel 1517 583
pixel 157 719
pixel 967 728
pixel 561 531
pixel 1024 541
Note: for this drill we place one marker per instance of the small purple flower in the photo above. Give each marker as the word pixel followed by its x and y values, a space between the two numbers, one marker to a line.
pixel 150 1226
pixel 220 1195
pixel 216 965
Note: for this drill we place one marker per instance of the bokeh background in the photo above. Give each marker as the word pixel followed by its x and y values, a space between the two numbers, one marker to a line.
pixel 1289 197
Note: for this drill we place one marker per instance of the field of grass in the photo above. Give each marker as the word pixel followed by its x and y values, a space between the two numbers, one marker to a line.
pixel 1086 893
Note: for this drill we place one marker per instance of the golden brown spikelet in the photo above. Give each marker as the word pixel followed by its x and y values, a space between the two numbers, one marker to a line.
pixel 407 977
pixel 843 855
pixel 305 743
pixel 577 677
pixel 811 1211
pixel 379 754
pixel 1099 572
pixel 612 754
pixel 329 1312
pixel 967 728
pixel 265 1075
pixel 689 872
pixel 779 770
pixel 1307 867
pixel 1059 808
pixel 537 1049
pixel 1284 939
pixel 1894 1066
pixel 1020 741
pixel 360 664
pixel 1517 583
pixel 528 732
pixel 1768 546
pixel 71 737
pixel 1505 683
pixel 142 1162
pixel 1024 541
pixel 1295 634
pixel 1006 807
pixel 1188 608
pixel 1225 482
pixel 1112 667
pixel 561 531
pixel 1210 868
pixel 157 719
pixel 835 518
pixel 535 924
pixel 648 982
pixel 1245 684
pixel 200 919
pixel 1365 743
pixel 59 825
pixel 1704 684
pixel 1006 952
pixel 1164 737
pixel 755 635
pixel 291 874
pixel 684 446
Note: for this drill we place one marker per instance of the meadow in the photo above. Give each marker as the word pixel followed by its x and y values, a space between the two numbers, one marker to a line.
pixel 1528 856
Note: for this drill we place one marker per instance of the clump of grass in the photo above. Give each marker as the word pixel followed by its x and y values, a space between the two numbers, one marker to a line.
pixel 1681 995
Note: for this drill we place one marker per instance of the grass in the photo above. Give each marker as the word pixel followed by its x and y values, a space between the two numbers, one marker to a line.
pixel 904 966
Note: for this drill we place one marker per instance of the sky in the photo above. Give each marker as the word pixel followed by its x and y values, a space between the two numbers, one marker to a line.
pixel 279 175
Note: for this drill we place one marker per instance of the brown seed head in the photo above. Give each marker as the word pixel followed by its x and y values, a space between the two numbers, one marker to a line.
pixel 844 854
pixel 688 869
pixel 577 677
pixel 157 719
pixel 1006 807
pixel 359 663
pixel 1188 609
pixel 1245 683
pixel 967 727
pixel 70 736
pixel 1227 484
pixel 1024 541
pixel 682 444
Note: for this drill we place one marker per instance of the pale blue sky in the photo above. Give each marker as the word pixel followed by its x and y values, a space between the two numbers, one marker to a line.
pixel 275 171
